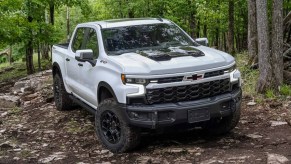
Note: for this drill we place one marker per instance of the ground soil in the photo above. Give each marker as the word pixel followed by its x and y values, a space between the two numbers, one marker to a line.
pixel 41 134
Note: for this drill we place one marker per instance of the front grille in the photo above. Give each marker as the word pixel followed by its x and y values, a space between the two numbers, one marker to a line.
pixel 188 92
pixel 170 79
pixel 213 73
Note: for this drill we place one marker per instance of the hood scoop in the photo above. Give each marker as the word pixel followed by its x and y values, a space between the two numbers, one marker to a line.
pixel 169 53
pixel 161 57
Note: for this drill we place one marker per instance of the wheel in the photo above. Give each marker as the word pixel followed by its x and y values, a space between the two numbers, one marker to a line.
pixel 220 126
pixel 112 130
pixel 61 97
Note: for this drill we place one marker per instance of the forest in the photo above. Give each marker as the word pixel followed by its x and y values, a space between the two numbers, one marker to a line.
pixel 30 27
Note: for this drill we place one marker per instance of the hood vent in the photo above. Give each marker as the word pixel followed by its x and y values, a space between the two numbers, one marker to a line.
pixel 196 53
pixel 162 57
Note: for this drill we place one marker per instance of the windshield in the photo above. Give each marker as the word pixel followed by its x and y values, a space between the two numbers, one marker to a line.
pixel 127 39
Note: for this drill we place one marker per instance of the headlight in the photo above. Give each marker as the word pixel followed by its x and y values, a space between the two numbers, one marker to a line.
pixel 229 70
pixel 125 80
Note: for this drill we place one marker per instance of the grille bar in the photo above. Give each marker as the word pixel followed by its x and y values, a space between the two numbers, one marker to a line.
pixel 188 92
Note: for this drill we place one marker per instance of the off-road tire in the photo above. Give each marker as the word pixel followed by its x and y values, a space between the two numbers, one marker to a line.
pixel 129 136
pixel 221 126
pixel 61 97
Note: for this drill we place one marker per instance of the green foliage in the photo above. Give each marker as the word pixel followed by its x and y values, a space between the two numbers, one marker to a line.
pixel 249 76
pixel 285 90
pixel 270 94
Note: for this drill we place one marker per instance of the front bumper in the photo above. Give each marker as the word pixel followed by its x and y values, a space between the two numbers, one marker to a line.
pixel 163 115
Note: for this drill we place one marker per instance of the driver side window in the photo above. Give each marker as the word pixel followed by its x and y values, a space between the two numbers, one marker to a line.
pixel 91 42
pixel 78 39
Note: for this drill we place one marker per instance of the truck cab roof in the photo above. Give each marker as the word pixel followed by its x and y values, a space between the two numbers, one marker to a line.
pixel 126 22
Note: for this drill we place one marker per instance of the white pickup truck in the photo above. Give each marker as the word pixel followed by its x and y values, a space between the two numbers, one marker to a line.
pixel 136 75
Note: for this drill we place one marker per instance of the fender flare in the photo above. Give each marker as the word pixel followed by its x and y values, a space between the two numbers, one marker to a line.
pixel 108 87
pixel 56 65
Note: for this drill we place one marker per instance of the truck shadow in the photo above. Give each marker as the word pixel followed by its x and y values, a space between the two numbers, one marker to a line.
pixel 181 138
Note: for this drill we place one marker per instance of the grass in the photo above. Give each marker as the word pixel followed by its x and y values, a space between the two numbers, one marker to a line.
pixel 285 90
pixel 15 111
pixel 249 76
pixel 20 69
pixel 270 94
pixel 73 127
pixel 25 154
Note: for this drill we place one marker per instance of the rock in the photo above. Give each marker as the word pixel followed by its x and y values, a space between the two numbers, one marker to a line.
pixel 17 150
pixel 211 161
pixel 2 131
pixel 239 159
pixel 29 97
pixel 27 90
pixel 49 99
pixel 106 162
pixel 5 145
pixel 278 123
pixel 18 85
pixel 254 136
pixel 276 159
pixel 4 114
pixel 54 157
pixel 8 101
pixel 7 69
pixel 49 132
pixel 276 104
pixel 104 151
pixel 16 158
pixel 251 103
pixel 175 150
pixel 144 160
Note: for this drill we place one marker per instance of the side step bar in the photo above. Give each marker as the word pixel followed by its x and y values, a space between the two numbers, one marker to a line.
pixel 83 105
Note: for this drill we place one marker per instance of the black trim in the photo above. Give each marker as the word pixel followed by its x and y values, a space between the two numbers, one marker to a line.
pixel 83 105
pixel 56 65
pixel 169 114
pixel 108 87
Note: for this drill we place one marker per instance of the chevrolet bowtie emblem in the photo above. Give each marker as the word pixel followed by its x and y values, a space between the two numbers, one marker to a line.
pixel 193 77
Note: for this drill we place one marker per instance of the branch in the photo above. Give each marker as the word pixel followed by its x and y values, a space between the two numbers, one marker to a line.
pixel 286 54
pixel 287 18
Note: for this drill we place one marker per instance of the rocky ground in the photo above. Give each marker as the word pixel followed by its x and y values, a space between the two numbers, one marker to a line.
pixel 35 132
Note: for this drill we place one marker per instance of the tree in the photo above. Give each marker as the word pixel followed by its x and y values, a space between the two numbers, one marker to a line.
pixel 252 32
pixel 277 43
pixel 231 49
pixel 265 78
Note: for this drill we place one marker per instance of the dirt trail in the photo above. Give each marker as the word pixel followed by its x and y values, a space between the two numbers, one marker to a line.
pixel 38 133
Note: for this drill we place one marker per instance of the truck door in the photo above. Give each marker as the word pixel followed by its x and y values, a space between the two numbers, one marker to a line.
pixel 72 67
pixel 89 75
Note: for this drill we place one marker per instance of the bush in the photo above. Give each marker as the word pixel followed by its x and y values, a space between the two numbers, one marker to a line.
pixel 270 94
pixel 285 90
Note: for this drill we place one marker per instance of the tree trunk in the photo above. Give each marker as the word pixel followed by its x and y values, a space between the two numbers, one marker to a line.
pixel 29 58
pixel 230 40
pixel 10 55
pixel 198 29
pixel 52 11
pixel 252 32
pixel 192 24
pixel 277 43
pixel 205 30
pixel 265 78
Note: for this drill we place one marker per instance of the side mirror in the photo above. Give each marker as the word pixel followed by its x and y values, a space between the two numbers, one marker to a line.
pixel 202 41
pixel 85 56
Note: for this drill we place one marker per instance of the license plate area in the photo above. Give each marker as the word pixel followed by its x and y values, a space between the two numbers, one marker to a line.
pixel 198 115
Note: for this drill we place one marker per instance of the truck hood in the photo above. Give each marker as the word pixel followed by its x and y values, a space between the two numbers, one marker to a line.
pixel 182 61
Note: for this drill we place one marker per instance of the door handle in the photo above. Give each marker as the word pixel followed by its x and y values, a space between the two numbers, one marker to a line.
pixel 80 65
pixel 67 59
